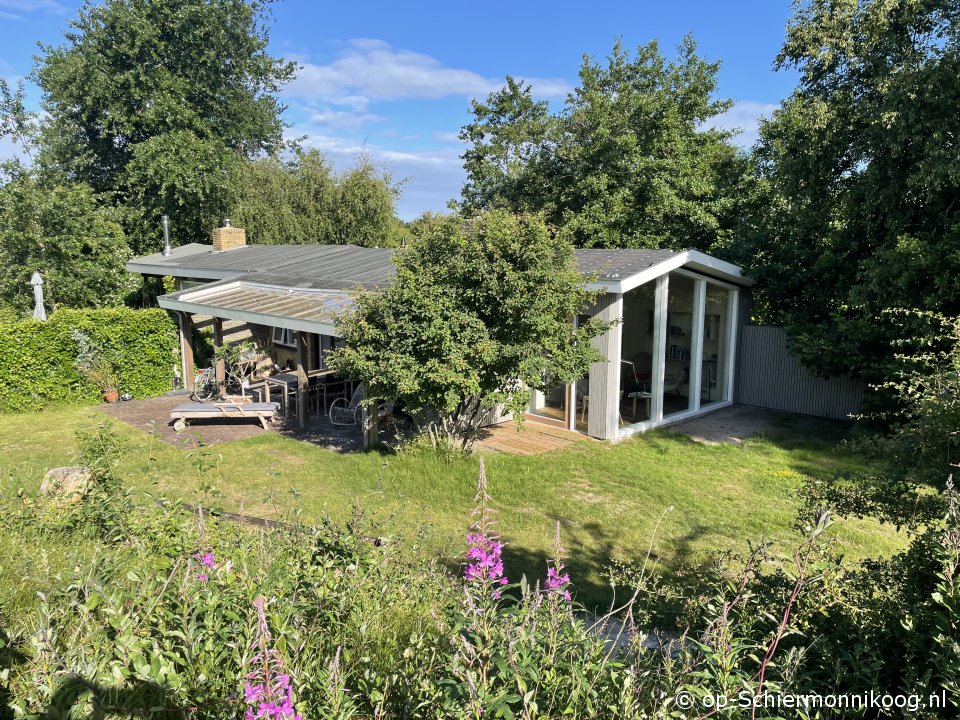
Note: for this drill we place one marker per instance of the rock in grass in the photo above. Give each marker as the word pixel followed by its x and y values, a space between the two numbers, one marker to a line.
pixel 68 483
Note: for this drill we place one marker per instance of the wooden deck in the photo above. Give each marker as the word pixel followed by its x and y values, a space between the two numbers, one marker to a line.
pixel 533 439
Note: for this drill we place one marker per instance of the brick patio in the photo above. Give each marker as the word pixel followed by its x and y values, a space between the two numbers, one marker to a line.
pixel 153 416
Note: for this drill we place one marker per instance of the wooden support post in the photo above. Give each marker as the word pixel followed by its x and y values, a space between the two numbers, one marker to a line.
pixel 302 353
pixel 187 349
pixel 219 368
pixel 603 406
pixel 369 423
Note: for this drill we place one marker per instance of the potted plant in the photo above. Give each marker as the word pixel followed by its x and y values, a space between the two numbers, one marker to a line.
pixel 102 374
pixel 95 365
pixel 239 361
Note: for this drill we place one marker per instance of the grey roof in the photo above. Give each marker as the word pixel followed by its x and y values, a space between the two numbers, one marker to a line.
pixel 344 266
pixel 616 264
pixel 319 266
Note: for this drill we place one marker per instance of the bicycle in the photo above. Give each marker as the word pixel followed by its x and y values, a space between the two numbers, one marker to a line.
pixel 204 385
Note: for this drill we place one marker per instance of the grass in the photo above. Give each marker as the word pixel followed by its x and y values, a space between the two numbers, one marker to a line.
pixel 607 498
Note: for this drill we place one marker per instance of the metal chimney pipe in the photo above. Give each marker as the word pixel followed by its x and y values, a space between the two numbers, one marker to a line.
pixel 226 222
pixel 167 248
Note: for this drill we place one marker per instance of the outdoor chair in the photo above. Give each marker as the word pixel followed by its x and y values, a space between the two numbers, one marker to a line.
pixel 344 412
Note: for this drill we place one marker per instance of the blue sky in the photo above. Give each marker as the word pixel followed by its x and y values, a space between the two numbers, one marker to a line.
pixel 394 80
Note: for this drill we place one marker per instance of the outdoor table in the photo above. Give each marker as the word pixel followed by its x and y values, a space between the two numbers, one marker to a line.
pixel 283 381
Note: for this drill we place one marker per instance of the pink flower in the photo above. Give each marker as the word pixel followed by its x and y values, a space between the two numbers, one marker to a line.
pixel 484 549
pixel 202 577
pixel 271 697
pixel 557 584
pixel 208 560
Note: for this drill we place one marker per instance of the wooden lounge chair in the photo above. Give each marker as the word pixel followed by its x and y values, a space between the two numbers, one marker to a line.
pixel 262 411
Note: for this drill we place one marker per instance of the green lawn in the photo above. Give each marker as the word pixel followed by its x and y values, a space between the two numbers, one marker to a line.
pixel 608 498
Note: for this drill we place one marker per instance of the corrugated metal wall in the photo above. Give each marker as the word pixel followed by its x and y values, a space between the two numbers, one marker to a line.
pixel 770 376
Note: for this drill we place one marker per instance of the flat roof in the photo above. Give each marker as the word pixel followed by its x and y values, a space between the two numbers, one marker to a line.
pixel 301 308
pixel 347 266
pixel 329 266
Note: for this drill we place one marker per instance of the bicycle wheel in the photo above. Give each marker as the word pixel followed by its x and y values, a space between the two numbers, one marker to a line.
pixel 203 391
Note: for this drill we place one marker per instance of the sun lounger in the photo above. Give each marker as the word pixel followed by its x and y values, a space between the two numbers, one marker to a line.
pixel 196 411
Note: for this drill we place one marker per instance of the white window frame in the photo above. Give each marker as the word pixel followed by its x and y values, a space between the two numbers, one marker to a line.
pixel 284 336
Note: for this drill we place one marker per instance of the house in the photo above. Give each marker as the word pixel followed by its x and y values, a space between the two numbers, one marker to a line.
pixel 671 356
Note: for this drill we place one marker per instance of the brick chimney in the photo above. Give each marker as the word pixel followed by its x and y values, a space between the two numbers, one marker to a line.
pixel 228 237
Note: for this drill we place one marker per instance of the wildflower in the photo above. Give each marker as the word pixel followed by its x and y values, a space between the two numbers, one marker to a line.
pixel 484 559
pixel 207 562
pixel 267 691
pixel 557 582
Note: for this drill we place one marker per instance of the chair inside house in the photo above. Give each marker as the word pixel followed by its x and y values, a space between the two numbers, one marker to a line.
pixel 582 398
pixel 635 372
pixel 709 383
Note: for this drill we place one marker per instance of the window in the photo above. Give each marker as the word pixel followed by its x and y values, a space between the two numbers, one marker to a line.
pixel 284 336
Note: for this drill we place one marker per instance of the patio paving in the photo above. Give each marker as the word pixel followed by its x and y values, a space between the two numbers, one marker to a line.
pixel 153 416
pixel 737 424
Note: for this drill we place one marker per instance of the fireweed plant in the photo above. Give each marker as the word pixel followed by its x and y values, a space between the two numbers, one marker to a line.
pixel 484 561
pixel 267 691
pixel 557 583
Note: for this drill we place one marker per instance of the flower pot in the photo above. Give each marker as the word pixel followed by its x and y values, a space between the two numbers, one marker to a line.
pixel 111 396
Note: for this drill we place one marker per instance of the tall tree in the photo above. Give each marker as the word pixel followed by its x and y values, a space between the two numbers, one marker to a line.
pixel 75 241
pixel 630 161
pixel 477 315
pixel 300 200
pixel 151 100
pixel 856 206
pixel 63 231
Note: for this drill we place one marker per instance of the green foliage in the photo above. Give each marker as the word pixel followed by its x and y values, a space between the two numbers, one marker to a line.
pixel 301 201
pixel 152 101
pixel 477 315
pixel 364 208
pixel 854 207
pixel 629 162
pixel 37 359
pixel 70 236
pixel 146 623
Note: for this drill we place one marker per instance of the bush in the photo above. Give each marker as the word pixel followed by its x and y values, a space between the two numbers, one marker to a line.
pixel 37 359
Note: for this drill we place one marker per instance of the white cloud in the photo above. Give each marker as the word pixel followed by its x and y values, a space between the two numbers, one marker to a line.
pixel 375 70
pixel 446 137
pixel 15 9
pixel 432 176
pixel 744 115
pixel 341 119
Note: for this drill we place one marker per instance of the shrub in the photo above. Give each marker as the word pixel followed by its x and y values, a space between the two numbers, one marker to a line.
pixel 38 359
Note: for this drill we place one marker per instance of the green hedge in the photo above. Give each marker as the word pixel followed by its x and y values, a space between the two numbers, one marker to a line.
pixel 37 358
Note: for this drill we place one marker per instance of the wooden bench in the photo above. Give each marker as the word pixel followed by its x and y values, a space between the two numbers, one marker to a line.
pixel 263 412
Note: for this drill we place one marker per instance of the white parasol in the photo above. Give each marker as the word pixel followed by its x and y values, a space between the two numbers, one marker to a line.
pixel 39 312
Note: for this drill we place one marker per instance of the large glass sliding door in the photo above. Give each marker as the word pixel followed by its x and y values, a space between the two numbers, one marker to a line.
pixel 679 347
pixel 716 339
pixel 636 354
pixel 550 406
